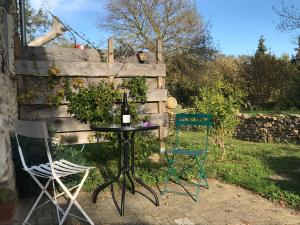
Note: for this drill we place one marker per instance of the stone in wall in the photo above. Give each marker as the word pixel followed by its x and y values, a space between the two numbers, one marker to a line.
pixel 269 128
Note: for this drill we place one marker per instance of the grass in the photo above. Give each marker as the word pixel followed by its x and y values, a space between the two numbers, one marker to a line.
pixel 251 165
pixel 246 164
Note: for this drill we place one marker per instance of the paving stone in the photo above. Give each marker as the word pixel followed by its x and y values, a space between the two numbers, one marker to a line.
pixel 221 204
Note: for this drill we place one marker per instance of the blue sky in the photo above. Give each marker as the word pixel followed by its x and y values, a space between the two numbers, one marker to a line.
pixel 235 25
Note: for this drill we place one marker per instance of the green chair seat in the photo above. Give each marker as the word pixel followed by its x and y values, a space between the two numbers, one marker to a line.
pixel 190 152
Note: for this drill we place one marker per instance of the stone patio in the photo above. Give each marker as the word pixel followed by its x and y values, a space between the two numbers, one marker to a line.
pixel 221 204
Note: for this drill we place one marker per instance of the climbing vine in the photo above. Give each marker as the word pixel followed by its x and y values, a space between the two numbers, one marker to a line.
pixel 94 103
pixel 137 87
pixel 26 97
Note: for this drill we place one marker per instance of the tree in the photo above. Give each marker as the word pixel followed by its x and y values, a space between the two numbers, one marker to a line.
pixel 37 22
pixel 261 48
pixel 187 41
pixel 289 16
pixel 267 79
pixel 176 22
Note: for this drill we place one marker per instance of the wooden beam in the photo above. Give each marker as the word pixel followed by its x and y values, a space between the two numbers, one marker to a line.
pixel 65 125
pixel 110 50
pixel 153 95
pixel 159 55
pixel 111 79
pixel 161 107
pixel 87 69
pixel 39 112
pixel 59 54
pixel 84 137
pixel 160 82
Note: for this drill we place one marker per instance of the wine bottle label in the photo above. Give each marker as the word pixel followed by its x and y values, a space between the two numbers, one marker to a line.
pixel 126 119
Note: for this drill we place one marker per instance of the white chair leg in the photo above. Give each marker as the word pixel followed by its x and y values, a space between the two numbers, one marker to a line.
pixel 46 192
pixel 55 201
pixel 37 201
pixel 83 212
pixel 73 198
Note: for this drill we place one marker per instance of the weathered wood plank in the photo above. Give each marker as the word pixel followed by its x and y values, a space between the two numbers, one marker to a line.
pixel 160 119
pixel 156 95
pixel 87 69
pixel 73 55
pixel 70 124
pixel 83 137
pixel 43 82
pixel 153 95
pixel 59 54
pixel 134 59
pixel 151 82
pixel 35 112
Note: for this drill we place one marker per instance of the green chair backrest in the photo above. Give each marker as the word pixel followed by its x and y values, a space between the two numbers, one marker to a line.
pixel 190 120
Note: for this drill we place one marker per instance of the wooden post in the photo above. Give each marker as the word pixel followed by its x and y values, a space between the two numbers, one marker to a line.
pixel 161 107
pixel 111 79
pixel 110 51
pixel 159 57
pixel 160 83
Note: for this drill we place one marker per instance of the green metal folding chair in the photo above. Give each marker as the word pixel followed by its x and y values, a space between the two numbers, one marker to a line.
pixel 201 124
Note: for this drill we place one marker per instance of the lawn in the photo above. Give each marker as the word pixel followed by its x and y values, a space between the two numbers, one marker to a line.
pixel 254 165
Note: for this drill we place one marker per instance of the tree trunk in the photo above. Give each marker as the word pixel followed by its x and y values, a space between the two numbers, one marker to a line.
pixel 57 29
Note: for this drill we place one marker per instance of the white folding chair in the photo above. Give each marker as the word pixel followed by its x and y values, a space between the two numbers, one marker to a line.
pixel 52 171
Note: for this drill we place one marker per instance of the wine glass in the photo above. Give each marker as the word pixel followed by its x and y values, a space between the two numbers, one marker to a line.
pixel 141 111
pixel 113 112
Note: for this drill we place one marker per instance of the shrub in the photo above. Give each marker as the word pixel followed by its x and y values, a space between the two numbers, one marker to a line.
pixel 223 101
pixel 268 80
pixel 93 104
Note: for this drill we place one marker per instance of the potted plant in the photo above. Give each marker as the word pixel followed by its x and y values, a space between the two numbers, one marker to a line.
pixel 8 201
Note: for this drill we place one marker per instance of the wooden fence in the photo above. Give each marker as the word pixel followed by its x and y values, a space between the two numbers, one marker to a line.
pixel 32 67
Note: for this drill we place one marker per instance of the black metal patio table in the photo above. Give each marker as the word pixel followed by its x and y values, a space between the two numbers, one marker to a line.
pixel 126 165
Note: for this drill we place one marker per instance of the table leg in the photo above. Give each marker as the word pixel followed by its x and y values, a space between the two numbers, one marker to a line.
pixel 103 186
pixel 141 182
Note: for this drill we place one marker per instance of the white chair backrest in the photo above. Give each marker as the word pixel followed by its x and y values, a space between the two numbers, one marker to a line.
pixel 32 129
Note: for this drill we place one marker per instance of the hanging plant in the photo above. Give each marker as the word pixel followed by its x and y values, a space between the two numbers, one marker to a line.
pixel 53 70
pixel 138 88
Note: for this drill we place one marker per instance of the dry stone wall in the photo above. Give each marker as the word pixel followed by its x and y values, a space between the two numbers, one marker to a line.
pixel 269 128
pixel 8 92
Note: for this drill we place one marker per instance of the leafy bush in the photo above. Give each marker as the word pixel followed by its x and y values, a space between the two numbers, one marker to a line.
pixel 137 87
pixel 92 104
pixel 268 80
pixel 223 101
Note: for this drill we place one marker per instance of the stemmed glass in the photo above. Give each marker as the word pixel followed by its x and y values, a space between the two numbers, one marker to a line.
pixel 113 112
pixel 141 111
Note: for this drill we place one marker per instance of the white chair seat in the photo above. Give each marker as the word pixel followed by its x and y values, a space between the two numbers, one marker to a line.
pixel 62 168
